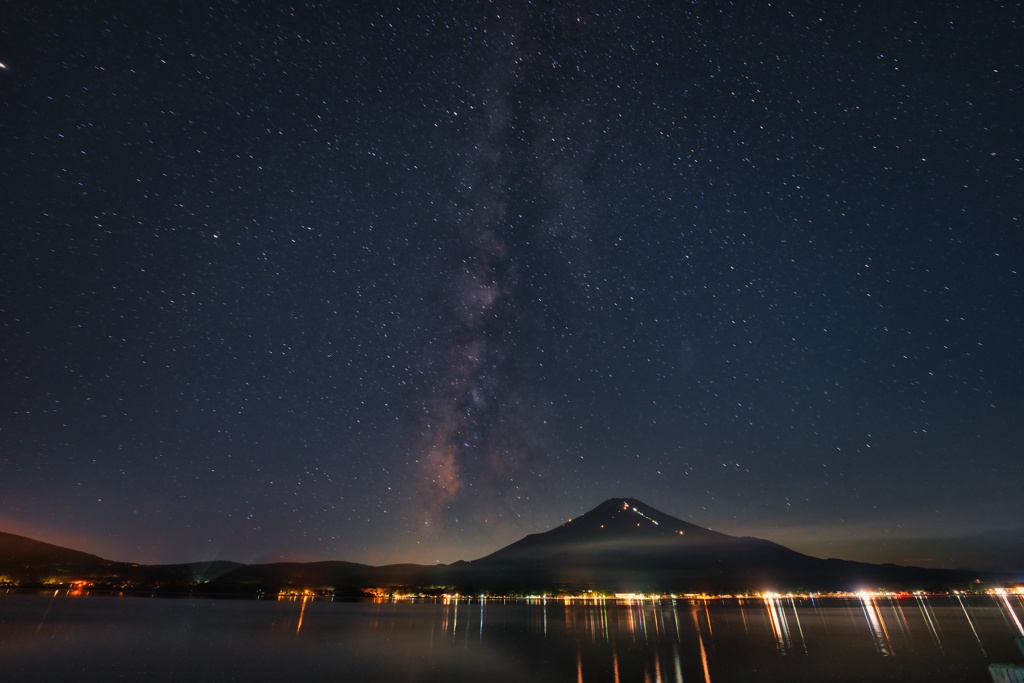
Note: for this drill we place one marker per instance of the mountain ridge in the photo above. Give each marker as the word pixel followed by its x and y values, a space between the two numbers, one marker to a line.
pixel 621 545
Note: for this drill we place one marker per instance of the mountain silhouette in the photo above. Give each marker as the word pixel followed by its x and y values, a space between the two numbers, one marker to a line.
pixel 27 552
pixel 622 545
pixel 626 545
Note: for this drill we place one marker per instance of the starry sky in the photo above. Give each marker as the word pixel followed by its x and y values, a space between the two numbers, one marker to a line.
pixel 389 281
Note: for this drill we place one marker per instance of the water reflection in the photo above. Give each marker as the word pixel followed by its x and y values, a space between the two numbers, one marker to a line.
pixel 929 618
pixel 597 640
pixel 877 624
pixel 780 627
pixel 1005 600
pixel 703 656
pixel 302 614
pixel 970 622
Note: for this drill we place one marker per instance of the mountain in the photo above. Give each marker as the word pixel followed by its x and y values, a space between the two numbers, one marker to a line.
pixel 622 545
pixel 625 545
pixel 35 564
pixel 26 552
pixel 26 560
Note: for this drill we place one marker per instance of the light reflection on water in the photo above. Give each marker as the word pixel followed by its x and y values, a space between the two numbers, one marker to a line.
pixel 774 638
pixel 877 624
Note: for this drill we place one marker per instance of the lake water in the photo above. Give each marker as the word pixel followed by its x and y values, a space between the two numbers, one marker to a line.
pixel 65 638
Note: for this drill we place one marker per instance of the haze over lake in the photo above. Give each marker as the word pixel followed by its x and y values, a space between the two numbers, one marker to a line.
pixel 878 638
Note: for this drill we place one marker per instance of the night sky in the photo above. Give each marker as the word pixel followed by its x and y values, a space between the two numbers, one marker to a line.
pixel 388 281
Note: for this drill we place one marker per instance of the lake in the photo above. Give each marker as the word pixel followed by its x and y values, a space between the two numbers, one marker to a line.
pixel 59 637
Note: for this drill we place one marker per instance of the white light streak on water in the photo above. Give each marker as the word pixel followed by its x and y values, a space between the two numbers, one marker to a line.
pixel 1013 615
pixel 877 625
pixel 799 626
pixel 971 623
pixel 678 665
pixel 926 611
pixel 455 620
pixel 780 627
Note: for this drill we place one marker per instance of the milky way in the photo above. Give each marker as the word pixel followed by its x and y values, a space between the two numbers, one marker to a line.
pixel 516 204
pixel 405 282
